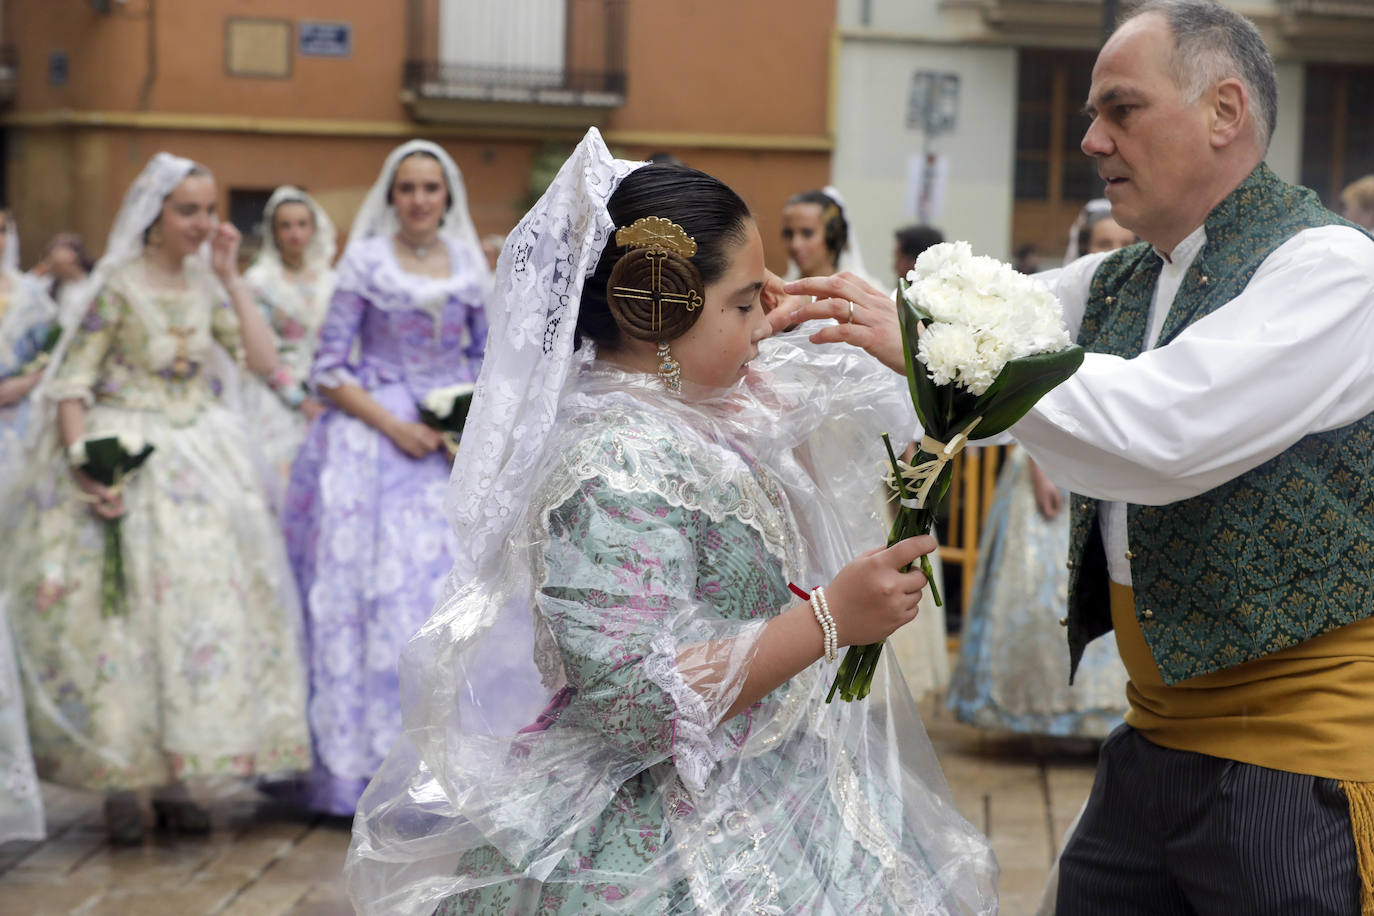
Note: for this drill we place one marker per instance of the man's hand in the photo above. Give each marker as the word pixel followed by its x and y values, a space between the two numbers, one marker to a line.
pixel 867 317
pixel 1048 498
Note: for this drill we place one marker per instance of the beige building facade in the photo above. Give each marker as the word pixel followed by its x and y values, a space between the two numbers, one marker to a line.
pixel 315 92
pixel 1012 173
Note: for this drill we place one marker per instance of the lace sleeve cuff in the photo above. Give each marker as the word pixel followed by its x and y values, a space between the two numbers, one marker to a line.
pixel 71 389
pixel 699 742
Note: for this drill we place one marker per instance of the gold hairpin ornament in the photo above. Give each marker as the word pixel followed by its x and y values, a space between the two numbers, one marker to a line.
pixel 657 232
pixel 659 238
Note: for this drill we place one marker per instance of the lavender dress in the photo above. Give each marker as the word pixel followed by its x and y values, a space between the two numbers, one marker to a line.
pixel 365 526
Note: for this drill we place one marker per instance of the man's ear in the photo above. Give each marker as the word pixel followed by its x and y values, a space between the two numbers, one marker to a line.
pixel 1229 112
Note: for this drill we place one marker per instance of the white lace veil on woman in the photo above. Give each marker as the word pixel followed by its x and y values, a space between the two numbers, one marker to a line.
pixel 141 206
pixel 324 242
pixel 377 217
pixel 793 806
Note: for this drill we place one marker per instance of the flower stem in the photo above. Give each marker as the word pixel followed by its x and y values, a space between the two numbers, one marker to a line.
pixel 113 597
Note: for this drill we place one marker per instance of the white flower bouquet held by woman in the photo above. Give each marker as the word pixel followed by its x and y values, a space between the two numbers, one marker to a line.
pixel 109 460
pixel 983 344
pixel 446 409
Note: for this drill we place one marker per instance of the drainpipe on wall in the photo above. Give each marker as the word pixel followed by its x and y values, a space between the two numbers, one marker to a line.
pixel 145 90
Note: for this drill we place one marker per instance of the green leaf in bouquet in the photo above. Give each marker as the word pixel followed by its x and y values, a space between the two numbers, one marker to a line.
pixel 458 418
pixel 103 459
pixel 107 462
pixel 1020 384
pixel 430 418
pixel 925 396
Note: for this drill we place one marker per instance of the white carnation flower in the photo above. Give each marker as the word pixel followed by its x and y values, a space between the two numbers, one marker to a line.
pixel 944 256
pixel 437 403
pixel 440 401
pixel 76 453
pixel 984 315
pixel 132 443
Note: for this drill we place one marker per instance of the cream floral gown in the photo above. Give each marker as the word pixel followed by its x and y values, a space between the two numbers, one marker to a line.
pixel 202 675
pixel 294 307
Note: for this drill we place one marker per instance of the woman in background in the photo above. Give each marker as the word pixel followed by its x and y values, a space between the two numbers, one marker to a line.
pixel 192 672
pixel 292 280
pixel 27 316
pixel 364 506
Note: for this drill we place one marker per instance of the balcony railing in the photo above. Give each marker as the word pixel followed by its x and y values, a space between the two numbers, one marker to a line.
pixel 435 80
pixel 473 61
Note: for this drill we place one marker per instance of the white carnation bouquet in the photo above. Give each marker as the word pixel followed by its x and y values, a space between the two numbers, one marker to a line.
pixel 446 409
pixel 109 460
pixel 983 344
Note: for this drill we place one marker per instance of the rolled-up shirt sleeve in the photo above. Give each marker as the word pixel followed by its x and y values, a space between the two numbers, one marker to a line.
pixel 1288 357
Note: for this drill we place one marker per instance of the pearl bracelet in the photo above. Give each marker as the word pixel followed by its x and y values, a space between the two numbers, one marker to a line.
pixel 821 608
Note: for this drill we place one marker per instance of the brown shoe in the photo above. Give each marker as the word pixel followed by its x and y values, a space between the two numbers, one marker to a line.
pixel 175 811
pixel 123 818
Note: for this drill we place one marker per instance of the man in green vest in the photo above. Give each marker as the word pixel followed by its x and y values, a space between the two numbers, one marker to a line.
pixel 1219 438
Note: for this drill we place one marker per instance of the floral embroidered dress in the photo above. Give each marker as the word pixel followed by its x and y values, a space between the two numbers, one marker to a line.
pixel 661 538
pixel 364 521
pixel 202 675
pixel 26 315
pixel 294 306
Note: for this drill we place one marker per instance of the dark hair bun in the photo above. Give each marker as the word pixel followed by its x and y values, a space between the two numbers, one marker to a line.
pixel 646 313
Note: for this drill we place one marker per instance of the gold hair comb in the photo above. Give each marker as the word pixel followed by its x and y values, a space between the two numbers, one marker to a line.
pixel 657 232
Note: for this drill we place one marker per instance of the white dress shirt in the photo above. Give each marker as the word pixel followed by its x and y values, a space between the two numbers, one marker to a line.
pixel 1292 355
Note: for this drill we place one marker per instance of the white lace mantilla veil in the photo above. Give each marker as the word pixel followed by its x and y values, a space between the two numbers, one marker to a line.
pixel 142 205
pixel 9 260
pixel 376 217
pixel 851 257
pixel 319 254
pixel 29 299
pixel 473 771
pixel 1094 207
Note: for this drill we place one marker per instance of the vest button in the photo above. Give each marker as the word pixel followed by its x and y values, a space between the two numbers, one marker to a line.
pixel 1071 565
pixel 1110 299
pixel 1203 279
pixel 1063 621
pixel 1130 555
pixel 1147 614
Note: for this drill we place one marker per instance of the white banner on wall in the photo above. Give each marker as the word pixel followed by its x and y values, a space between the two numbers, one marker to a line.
pixel 927 181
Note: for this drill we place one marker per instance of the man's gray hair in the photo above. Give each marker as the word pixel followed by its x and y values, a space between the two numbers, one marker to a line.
pixel 1213 43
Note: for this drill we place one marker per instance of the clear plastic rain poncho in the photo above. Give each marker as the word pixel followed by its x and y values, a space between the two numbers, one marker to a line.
pixel 623 547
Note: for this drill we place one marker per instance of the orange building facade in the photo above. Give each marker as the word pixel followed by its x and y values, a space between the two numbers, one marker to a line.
pixel 315 93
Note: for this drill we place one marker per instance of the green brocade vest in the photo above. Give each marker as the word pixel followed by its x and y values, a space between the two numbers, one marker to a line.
pixel 1276 556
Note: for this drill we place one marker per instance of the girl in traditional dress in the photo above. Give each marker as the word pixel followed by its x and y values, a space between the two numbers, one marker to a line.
pixel 634 496
pixel 27 316
pixel 194 672
pixel 292 280
pixel 364 506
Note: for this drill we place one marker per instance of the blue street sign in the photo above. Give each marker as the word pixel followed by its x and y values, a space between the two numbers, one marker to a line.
pixel 326 39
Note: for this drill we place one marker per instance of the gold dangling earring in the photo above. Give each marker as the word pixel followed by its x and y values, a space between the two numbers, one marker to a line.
pixel 669 372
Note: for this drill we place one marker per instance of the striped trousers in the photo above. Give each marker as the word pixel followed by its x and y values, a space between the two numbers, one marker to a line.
pixel 1173 832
